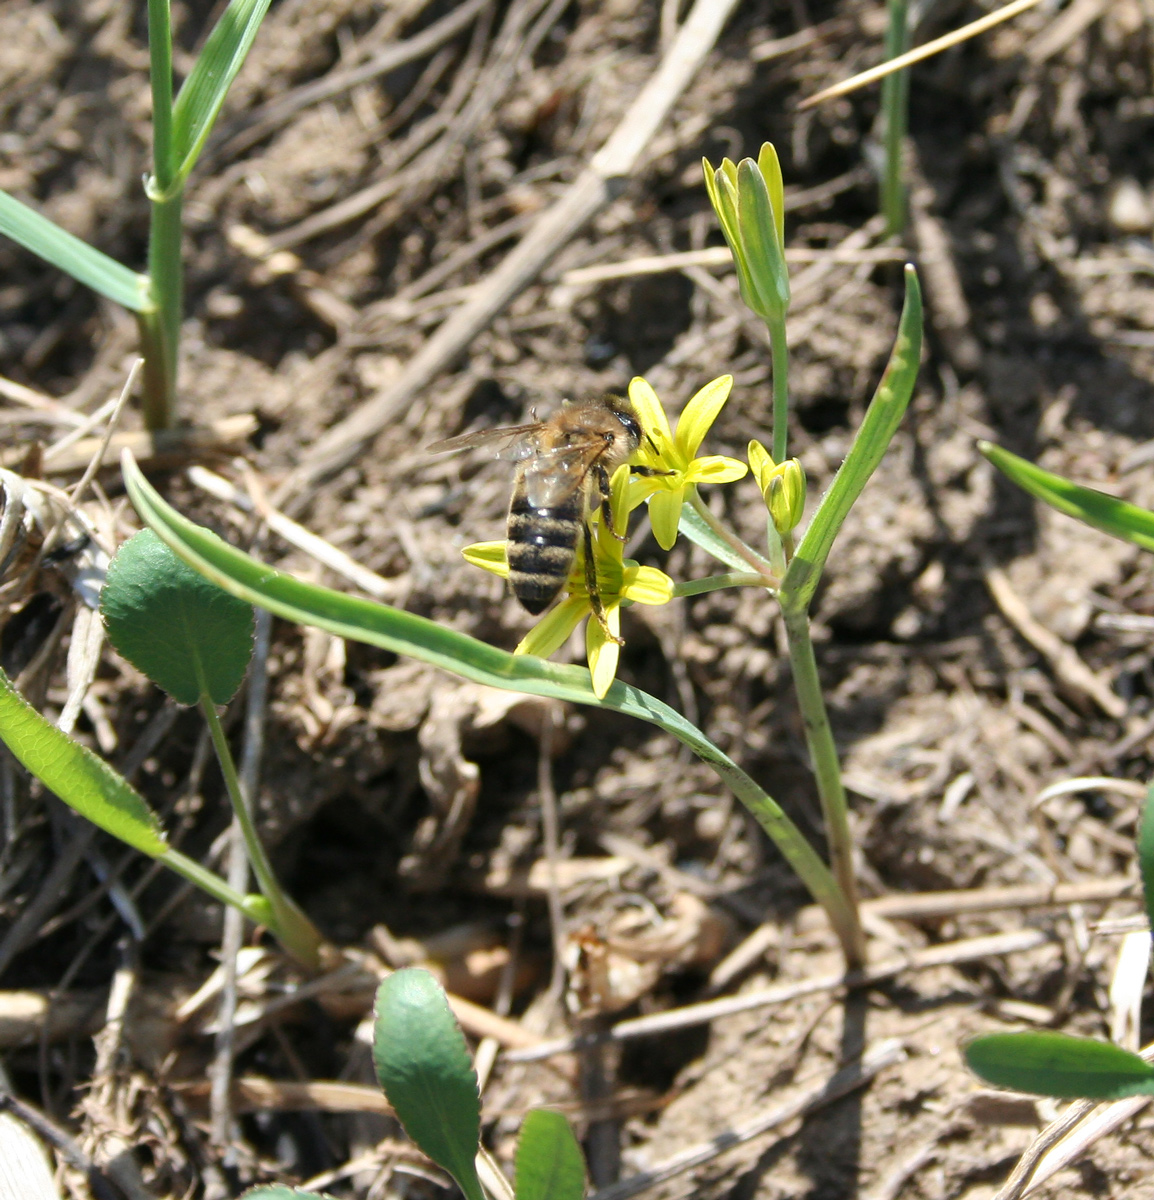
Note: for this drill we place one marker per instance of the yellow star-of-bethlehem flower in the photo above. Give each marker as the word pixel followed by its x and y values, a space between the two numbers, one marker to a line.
pixel 618 579
pixel 675 454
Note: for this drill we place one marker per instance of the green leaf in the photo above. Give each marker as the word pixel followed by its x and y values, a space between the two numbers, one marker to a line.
pixel 208 82
pixel 423 1065
pixel 699 533
pixel 1107 513
pixel 278 1191
pixel 549 1161
pixel 83 262
pixel 881 422
pixel 186 634
pixel 1056 1064
pixel 83 780
pixel 425 640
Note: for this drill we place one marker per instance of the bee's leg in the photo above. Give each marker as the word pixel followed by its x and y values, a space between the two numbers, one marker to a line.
pixel 606 493
pixel 648 472
pixel 594 591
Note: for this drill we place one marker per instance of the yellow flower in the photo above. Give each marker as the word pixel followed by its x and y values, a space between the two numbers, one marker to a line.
pixel 618 580
pixel 782 485
pixel 675 454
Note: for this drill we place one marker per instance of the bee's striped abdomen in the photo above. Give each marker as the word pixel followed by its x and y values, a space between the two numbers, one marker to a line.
pixel 541 544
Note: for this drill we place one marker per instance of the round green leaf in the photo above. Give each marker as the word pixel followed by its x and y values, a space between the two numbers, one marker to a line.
pixel 549 1161
pixel 186 634
pixel 1056 1064
pixel 424 1067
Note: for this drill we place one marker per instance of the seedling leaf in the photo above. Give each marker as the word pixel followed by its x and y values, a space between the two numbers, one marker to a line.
pixel 1146 853
pixel 62 249
pixel 208 82
pixel 424 1067
pixel 186 634
pixel 1107 513
pixel 1058 1065
pixel 869 445
pixel 549 1162
pixel 83 780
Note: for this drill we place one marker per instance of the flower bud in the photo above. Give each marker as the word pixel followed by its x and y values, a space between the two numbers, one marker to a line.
pixel 749 199
pixel 782 485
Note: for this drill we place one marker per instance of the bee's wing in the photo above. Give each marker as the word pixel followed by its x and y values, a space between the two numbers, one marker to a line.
pixel 555 473
pixel 507 441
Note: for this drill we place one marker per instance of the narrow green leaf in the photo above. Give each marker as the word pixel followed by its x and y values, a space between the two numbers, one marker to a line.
pixel 83 262
pixel 406 633
pixel 423 1065
pixel 699 533
pixel 881 422
pixel 1058 1065
pixel 185 633
pixel 281 1192
pixel 208 82
pixel 1107 513
pixel 1146 853
pixel 549 1161
pixel 83 780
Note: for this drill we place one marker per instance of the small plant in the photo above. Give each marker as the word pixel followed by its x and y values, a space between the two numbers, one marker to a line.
pixel 180 128
pixel 194 641
pixel 1056 1064
pixel 747 197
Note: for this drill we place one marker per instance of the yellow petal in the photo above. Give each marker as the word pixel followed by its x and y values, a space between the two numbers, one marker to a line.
pixel 550 633
pixel 760 463
pixel 489 556
pixel 647 585
pixel 654 422
pixel 700 413
pixel 603 654
pixel 664 516
pixel 715 468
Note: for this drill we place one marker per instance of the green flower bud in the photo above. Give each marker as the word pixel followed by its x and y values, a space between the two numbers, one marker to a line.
pixel 785 496
pixel 749 199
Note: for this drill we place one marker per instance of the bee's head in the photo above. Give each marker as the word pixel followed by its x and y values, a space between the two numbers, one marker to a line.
pixel 623 411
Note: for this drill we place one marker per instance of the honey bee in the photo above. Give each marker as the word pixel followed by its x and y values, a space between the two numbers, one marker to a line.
pixel 564 464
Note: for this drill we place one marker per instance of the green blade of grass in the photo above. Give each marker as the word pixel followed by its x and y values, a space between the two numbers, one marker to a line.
pixel 208 82
pixel 1104 512
pixel 871 442
pixel 83 262
pixel 415 636
pixel 1058 1065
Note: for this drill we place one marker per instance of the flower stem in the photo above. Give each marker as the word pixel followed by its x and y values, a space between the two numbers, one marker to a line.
pixel 291 927
pixel 761 566
pixel 780 350
pixel 713 583
pixel 827 771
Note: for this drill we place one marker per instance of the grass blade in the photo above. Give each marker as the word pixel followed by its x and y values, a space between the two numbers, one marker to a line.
pixel 1104 512
pixel 423 1065
pixel 208 82
pixel 873 438
pixel 83 262
pixel 406 633
pixel 1058 1065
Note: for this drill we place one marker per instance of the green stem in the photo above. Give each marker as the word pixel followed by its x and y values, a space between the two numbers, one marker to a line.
pixel 827 772
pixel 761 566
pixel 780 350
pixel 713 583
pixel 212 885
pixel 895 110
pixel 160 328
pixel 291 927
